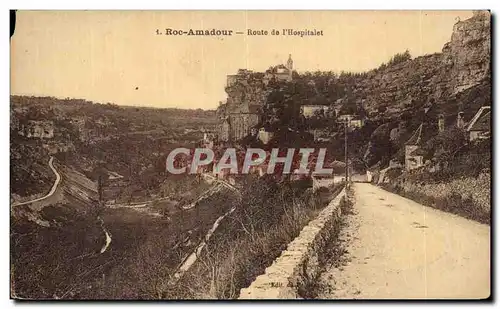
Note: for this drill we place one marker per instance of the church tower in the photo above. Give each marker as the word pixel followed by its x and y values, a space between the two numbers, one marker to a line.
pixel 289 65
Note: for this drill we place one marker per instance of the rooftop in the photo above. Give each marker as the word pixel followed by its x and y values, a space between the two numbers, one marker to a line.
pixel 481 121
pixel 416 138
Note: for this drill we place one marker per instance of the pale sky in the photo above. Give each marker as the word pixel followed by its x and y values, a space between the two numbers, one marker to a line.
pixel 104 55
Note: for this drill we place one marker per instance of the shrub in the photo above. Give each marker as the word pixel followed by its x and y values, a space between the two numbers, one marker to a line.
pixel 399 58
pixel 269 218
pixel 453 202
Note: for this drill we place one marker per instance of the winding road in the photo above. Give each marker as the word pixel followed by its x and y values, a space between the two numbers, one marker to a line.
pixel 107 234
pixel 52 190
pixel 399 249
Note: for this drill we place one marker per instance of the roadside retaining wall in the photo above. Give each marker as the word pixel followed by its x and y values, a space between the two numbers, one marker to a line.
pixel 300 261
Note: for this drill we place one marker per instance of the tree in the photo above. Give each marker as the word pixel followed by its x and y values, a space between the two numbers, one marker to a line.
pixel 399 58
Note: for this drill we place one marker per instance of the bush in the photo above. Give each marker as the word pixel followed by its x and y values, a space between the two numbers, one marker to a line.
pixel 399 58
pixel 454 203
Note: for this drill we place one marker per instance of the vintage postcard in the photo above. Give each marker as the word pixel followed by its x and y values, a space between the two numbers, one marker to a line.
pixel 161 155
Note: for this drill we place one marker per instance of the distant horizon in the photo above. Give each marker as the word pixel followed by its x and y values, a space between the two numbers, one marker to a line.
pixel 116 56
pixel 104 103
pixel 161 107
pixel 205 109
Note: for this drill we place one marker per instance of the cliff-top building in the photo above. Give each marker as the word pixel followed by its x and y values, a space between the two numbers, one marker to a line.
pixel 280 72
pixel 247 95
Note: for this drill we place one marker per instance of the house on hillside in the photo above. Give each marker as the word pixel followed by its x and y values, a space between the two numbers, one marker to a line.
pixel 357 122
pixel 414 157
pixel 310 111
pixel 480 125
pixel 354 121
pixel 324 180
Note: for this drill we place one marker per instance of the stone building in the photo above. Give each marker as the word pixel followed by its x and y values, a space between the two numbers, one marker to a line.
pixel 280 72
pixel 313 110
pixel 480 125
pixel 357 122
pixel 337 176
pixel 354 121
pixel 238 121
pixel 413 156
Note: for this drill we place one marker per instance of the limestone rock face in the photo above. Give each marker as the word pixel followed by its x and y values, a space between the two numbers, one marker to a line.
pixel 244 107
pixel 469 50
pixel 386 92
pixel 463 64
pixel 246 93
pixel 408 84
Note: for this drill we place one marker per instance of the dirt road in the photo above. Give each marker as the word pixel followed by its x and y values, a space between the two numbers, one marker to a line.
pixel 397 248
pixel 52 190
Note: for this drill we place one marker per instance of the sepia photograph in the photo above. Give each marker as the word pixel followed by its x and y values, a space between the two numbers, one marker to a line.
pixel 250 155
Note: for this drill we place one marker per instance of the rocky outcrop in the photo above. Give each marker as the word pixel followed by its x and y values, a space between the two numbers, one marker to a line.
pixel 242 111
pixel 407 85
pixel 469 51
pixel 463 64
pixel 246 92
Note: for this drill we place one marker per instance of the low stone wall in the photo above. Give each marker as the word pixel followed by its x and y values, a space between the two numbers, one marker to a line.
pixel 300 261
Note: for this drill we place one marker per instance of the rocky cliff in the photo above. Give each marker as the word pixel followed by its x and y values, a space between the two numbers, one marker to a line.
pixel 463 64
pixel 469 51
pixel 246 92
pixel 455 79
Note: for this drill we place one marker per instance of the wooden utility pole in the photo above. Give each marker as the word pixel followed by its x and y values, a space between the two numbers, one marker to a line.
pixel 345 148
